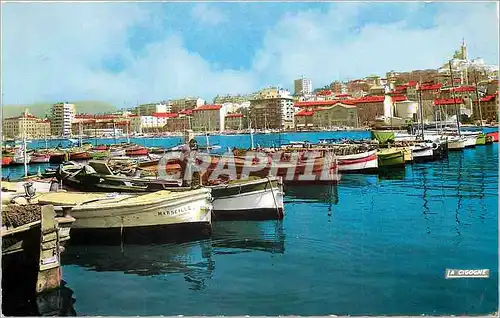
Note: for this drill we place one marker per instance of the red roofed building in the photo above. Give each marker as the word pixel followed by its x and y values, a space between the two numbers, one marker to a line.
pixel 165 115
pixel 444 107
pixel 369 108
pixel 338 115
pixel 303 119
pixel 489 108
pixel 208 118
pixel 34 127
pixel 234 121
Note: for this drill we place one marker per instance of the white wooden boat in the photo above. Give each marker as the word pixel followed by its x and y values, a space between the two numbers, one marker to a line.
pixel 112 218
pixel 422 152
pixel 251 199
pixel 40 158
pixel 18 158
pixel 361 162
pixel 470 141
pixel 11 190
pixel 456 143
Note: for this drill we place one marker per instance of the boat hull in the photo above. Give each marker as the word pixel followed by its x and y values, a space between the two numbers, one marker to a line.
pixel 481 140
pixel 152 218
pixel 40 159
pixel 261 200
pixel 359 163
pixel 494 136
pixel 6 161
pixel 423 154
pixel 470 141
pixel 456 145
pixel 391 159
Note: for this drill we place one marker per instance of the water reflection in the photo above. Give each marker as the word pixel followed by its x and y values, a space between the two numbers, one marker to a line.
pixel 58 302
pixel 397 173
pixel 192 259
pixel 241 237
pixel 459 196
pixel 312 193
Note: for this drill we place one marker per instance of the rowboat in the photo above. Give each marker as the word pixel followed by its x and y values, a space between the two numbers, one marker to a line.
pixel 136 151
pixel 40 158
pixel 6 160
pixel 79 155
pixel 390 157
pixel 361 162
pixel 470 141
pixel 248 199
pixel 481 139
pixel 111 218
pixel 97 176
pixel 19 158
pixel 456 143
pixel 101 147
pixel 422 152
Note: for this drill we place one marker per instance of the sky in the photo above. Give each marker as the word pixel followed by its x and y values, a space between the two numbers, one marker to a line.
pixel 129 53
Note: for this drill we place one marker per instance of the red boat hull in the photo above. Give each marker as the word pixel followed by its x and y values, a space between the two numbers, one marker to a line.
pixel 137 152
pixel 6 161
pixel 494 136
pixel 79 156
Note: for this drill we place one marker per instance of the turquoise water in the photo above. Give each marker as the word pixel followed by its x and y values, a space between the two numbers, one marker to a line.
pixel 372 245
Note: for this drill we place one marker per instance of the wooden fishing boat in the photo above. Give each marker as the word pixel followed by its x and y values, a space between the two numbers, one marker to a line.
pixel 111 218
pixel 116 152
pixel 18 157
pixel 456 143
pixel 423 152
pixel 101 147
pixel 470 141
pixel 40 158
pixel 390 158
pixel 136 151
pixel 494 136
pixel 362 162
pixel 58 156
pixel 481 139
pixel 6 160
pixel 79 155
pixel 97 176
pixel 248 199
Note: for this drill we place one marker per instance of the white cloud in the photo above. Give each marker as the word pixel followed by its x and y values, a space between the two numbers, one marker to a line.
pixel 54 51
pixel 208 14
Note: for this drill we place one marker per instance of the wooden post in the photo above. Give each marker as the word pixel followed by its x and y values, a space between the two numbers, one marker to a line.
pixel 49 272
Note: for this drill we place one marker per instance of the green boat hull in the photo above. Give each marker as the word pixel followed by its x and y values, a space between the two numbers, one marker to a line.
pixel 481 139
pixel 391 159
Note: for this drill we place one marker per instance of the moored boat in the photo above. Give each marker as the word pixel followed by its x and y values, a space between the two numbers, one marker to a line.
pixel 390 158
pixel 248 199
pixel 40 158
pixel 79 155
pixel 456 143
pixel 6 160
pixel 470 141
pixel 136 151
pixel 494 136
pixel 362 162
pixel 481 139
pixel 422 152
pixel 110 218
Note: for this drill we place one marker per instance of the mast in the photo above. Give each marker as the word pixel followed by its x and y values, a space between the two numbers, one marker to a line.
pixel 114 130
pixel 251 134
pixel 457 112
pixel 421 108
pixel 478 100
pixel 128 136
pixel 80 133
pixel 25 156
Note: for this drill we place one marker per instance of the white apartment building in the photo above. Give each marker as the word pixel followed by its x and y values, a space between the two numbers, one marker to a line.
pixel 150 109
pixel 303 86
pixel 62 117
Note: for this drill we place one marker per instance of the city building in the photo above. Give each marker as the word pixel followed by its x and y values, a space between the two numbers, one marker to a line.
pixel 181 104
pixel 62 117
pixel 357 87
pixel 234 121
pixel 102 124
pixel 369 108
pixel 338 115
pixel 149 109
pixel 272 108
pixel 302 86
pixel 236 99
pixel 445 108
pixel 489 108
pixel 303 120
pixel 208 118
pixel 26 124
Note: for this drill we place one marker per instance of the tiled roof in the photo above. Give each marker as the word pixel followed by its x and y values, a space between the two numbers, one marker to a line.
pixel 430 87
pixel 487 98
pixel 325 92
pixel 343 95
pixel 165 115
pixel 370 99
pixel 208 107
pixel 463 89
pixel 448 101
pixel 186 112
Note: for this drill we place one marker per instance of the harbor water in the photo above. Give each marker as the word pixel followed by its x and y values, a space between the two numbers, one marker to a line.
pixel 371 245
